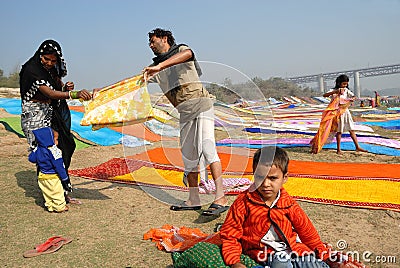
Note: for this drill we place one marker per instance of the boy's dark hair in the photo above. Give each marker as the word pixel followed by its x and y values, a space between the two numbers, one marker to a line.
pixel 340 79
pixel 158 32
pixel 271 155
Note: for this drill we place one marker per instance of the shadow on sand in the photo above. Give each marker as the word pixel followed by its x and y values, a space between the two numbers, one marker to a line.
pixel 27 180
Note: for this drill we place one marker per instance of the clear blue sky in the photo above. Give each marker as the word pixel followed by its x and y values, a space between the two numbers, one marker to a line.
pixel 106 41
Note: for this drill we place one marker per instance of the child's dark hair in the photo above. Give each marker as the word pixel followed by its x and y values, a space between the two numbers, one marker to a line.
pixel 271 155
pixel 340 79
pixel 158 32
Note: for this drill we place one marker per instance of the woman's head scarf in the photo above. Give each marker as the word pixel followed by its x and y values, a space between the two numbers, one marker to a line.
pixel 52 47
pixel 33 74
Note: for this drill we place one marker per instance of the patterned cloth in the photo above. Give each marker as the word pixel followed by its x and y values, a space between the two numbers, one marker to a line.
pixel 125 102
pixel 206 255
pixel 35 115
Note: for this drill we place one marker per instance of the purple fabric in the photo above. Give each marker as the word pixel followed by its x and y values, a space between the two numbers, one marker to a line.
pixel 373 140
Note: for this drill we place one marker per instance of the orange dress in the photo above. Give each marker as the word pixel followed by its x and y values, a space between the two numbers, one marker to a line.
pixel 329 123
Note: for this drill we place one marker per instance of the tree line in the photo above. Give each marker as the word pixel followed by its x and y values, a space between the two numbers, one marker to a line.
pixel 9 81
pixel 257 89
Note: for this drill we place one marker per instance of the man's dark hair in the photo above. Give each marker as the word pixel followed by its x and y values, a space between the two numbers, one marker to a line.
pixel 158 32
pixel 271 155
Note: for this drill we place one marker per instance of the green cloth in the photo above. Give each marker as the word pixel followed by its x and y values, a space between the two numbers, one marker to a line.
pixel 206 255
pixel 80 144
pixel 13 124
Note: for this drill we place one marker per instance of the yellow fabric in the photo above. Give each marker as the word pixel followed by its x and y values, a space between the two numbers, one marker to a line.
pixel 160 115
pixel 159 177
pixel 153 176
pixel 52 190
pixel 381 116
pixel 373 191
pixel 125 102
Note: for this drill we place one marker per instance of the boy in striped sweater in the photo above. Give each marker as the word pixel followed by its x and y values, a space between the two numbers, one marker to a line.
pixel 267 224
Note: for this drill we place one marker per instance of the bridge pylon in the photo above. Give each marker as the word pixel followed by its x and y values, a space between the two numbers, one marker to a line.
pixel 357 86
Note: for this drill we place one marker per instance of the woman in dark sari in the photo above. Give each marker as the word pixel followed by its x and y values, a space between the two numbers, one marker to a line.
pixel 43 96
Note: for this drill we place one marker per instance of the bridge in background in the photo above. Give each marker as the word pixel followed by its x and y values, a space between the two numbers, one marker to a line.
pixel 355 74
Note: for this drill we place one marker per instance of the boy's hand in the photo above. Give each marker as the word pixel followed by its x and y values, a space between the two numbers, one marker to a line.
pixel 238 265
pixel 67 185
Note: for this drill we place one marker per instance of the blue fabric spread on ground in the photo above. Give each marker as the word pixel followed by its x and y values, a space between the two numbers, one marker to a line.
pixel 12 106
pixel 390 124
pixel 103 136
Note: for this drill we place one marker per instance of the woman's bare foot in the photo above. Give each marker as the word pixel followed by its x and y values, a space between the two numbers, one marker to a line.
pixel 361 150
pixel 339 152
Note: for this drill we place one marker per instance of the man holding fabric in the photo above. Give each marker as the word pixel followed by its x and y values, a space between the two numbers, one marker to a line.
pixel 177 72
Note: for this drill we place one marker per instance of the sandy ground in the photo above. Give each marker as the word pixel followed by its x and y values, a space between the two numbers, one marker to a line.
pixel 108 227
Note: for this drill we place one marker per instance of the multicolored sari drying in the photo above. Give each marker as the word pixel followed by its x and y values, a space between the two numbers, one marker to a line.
pixel 125 102
pixel 329 123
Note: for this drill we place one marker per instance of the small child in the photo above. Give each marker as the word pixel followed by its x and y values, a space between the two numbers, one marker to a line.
pixel 345 122
pixel 267 224
pixel 52 178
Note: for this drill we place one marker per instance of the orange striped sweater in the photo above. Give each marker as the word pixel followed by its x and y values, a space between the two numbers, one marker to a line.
pixel 249 219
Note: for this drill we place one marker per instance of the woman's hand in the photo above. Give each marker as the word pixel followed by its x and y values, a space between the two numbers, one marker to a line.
pixel 69 86
pixel 84 94
pixel 96 92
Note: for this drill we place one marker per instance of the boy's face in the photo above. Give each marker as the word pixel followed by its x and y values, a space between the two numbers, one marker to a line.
pixel 55 133
pixel 270 180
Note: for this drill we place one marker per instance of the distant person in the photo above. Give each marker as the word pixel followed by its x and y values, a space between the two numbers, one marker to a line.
pixel 372 102
pixel 53 178
pixel 43 96
pixel 177 72
pixel 336 117
pixel 377 99
pixel 267 224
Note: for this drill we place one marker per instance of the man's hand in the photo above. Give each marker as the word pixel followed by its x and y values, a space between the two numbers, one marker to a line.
pixel 150 71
